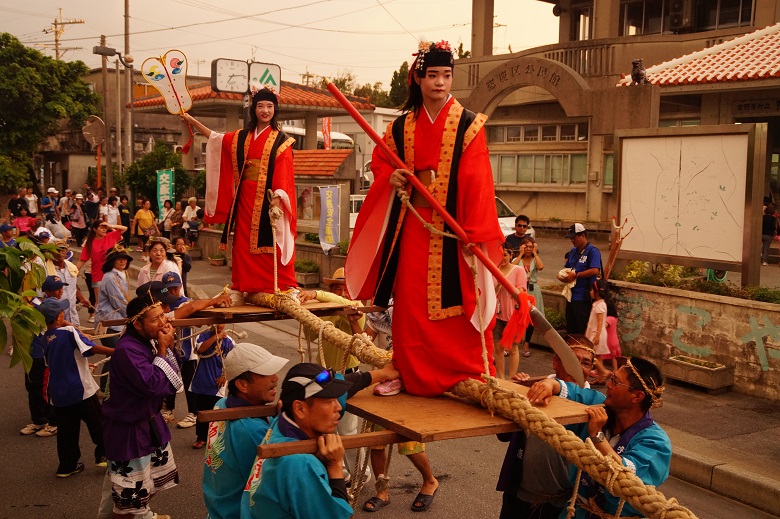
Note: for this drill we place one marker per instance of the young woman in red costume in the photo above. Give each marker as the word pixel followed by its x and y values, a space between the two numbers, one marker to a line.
pixel 437 318
pixel 241 167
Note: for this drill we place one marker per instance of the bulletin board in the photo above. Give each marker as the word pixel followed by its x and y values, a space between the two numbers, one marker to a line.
pixel 691 194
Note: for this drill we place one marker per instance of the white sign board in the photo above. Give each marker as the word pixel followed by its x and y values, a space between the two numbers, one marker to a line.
pixel 684 195
pixel 265 75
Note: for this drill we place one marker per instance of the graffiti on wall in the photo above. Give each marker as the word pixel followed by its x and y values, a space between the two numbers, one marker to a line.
pixel 632 309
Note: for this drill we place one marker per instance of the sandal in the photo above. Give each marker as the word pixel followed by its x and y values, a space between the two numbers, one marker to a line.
pixel 526 354
pixel 424 501
pixel 374 504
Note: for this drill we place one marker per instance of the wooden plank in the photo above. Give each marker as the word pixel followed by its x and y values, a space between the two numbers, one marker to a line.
pixel 353 441
pixel 235 413
pixel 447 417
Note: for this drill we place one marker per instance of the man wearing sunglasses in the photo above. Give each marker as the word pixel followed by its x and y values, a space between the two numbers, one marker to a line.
pixel 307 486
pixel 623 427
pixel 522 222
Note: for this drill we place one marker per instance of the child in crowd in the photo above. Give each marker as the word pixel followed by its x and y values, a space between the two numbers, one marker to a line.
pixel 72 390
pixel 208 382
pixel 24 223
pixel 596 330
pixel 613 343
pixel 504 311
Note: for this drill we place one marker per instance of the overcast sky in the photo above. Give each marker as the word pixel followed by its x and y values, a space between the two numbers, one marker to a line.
pixel 369 38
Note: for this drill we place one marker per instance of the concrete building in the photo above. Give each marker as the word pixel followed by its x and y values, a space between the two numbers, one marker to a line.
pixel 554 110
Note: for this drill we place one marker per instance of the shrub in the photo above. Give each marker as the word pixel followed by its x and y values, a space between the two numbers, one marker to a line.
pixel 311 237
pixel 343 247
pixel 306 266
pixel 556 319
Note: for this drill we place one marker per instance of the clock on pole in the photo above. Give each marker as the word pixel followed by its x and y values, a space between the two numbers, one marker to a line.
pixel 230 75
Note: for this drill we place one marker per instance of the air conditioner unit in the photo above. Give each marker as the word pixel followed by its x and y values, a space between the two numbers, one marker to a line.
pixel 680 14
pixel 177 149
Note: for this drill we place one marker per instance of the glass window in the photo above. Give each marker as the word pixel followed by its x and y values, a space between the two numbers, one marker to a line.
pixel 549 133
pixel 608 174
pixel 583 28
pixel 507 173
pixel 568 132
pixel 690 122
pixel 530 133
pixel 540 169
pixel 557 170
pixel 653 17
pixel 579 168
pixel 525 168
pixel 633 16
pixel 495 133
pixel 582 132
pixel 513 133
pixel 494 167
pixel 730 11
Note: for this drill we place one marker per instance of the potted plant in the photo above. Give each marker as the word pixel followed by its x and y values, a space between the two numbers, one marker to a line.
pixel 307 273
pixel 714 377
pixel 217 259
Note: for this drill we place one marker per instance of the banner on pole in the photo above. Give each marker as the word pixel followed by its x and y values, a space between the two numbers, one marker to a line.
pixel 164 186
pixel 326 141
pixel 329 217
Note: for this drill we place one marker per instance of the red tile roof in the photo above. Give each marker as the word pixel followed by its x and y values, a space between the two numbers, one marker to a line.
pixel 292 95
pixel 319 162
pixel 751 57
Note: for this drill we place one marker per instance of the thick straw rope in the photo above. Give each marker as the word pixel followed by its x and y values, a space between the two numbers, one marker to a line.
pixel 616 478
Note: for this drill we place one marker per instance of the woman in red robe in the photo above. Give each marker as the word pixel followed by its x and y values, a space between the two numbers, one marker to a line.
pixel 437 320
pixel 241 167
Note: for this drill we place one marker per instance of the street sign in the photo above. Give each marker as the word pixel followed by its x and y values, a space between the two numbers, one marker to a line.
pixel 262 75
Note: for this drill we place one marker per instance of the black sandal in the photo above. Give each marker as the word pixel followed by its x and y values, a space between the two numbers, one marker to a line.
pixel 376 504
pixel 424 501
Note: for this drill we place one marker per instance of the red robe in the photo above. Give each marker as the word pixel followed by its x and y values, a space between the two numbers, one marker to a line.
pixel 252 254
pixel 436 338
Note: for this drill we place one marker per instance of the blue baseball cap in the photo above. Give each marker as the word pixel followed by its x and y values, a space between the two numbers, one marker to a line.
pixel 53 283
pixel 51 308
pixel 171 279
pixel 6 227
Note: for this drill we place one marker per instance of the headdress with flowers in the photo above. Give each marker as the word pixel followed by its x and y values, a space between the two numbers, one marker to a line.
pixel 432 54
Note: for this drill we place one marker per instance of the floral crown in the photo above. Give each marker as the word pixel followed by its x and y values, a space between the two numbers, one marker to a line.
pixel 427 49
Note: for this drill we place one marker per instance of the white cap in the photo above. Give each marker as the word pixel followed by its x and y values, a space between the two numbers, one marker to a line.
pixel 51 190
pixel 249 357
pixel 575 229
pixel 79 195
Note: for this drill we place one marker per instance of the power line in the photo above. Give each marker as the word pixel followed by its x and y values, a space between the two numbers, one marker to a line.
pixel 58 28
pixel 396 20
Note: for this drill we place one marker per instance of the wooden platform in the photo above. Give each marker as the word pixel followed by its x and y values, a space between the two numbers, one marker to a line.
pixel 448 417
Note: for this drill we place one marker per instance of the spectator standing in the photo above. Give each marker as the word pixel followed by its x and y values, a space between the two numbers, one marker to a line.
pixel 78 220
pixel 208 382
pixel 32 202
pixel 124 218
pixel 103 209
pixel 112 211
pixel 532 263
pixel 101 239
pixel 24 222
pixel 515 239
pixel 64 205
pixel 16 203
pixel 585 261
pixel 768 232
pixel 185 260
pixel 190 221
pixel 145 224
pixel 177 220
pixel 49 202
pixel 165 220
pixel 506 307
pixel 158 264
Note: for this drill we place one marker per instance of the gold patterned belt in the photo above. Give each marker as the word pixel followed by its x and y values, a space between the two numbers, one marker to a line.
pixel 426 176
pixel 252 170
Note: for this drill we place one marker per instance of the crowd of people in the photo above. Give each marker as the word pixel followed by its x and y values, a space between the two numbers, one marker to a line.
pixel 437 324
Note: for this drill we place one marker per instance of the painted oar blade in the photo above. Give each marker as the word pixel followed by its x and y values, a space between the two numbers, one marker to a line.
pixel 570 361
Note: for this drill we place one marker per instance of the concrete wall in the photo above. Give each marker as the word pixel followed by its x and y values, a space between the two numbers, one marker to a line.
pixel 658 322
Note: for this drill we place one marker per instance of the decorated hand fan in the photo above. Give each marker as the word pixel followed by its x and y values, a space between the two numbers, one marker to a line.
pixel 168 74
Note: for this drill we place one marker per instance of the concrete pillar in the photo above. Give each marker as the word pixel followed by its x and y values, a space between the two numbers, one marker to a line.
pixel 311 127
pixel 606 19
pixel 482 28
pixel 233 118
pixel 187 159
pixel 595 183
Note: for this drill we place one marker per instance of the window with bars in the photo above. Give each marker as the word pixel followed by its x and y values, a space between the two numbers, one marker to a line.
pixel 537 133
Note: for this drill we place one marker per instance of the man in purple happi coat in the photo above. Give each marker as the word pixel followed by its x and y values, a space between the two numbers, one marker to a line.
pixel 143 372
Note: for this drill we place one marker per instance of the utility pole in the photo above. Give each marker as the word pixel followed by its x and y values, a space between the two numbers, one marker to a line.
pixel 109 165
pixel 118 83
pixel 130 114
pixel 58 28
pixel 306 77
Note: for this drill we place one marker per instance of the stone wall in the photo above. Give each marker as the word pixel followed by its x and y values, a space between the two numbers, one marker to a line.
pixel 658 322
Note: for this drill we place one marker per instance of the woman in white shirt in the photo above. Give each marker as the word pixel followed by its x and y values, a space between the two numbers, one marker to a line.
pixel 32 203
pixel 112 212
pixel 103 209
pixel 191 221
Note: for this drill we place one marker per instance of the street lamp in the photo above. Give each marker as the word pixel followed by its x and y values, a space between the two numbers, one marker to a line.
pixel 127 62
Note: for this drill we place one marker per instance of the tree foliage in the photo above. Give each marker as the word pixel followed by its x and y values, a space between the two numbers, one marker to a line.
pixel 19 275
pixel 120 179
pixel 374 93
pixel 345 81
pixel 399 86
pixel 37 92
pixel 13 173
pixel 142 174
pixel 463 53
